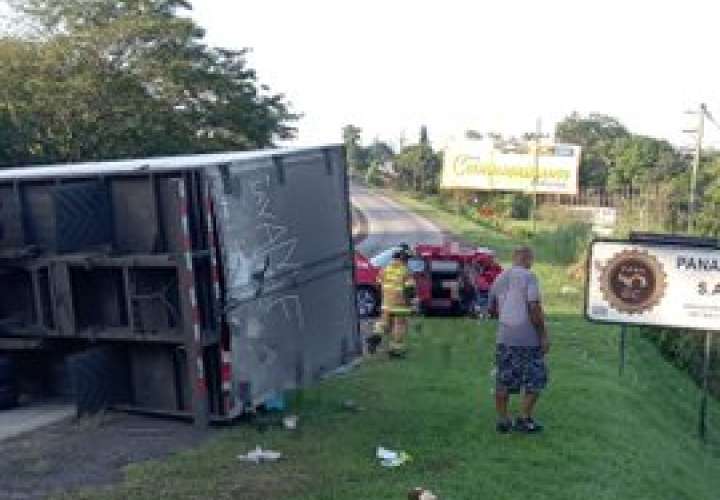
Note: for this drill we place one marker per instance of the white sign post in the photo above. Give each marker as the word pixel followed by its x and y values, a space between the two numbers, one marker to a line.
pixel 670 282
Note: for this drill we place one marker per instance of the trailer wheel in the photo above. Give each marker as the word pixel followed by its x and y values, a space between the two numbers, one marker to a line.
pixel 368 302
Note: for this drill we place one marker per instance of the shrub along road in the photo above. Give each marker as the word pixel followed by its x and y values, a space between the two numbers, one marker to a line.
pixel 607 437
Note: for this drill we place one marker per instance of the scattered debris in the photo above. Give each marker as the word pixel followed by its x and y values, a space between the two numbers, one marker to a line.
pixel 259 455
pixel 391 458
pixel 276 402
pixel 342 370
pixel 351 405
pixel 568 290
pixel 421 494
pixel 291 422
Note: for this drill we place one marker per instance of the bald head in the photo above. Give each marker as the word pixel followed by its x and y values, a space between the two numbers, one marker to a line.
pixel 523 256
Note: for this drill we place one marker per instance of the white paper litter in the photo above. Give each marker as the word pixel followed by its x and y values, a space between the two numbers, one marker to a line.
pixel 259 455
pixel 391 458
pixel 291 422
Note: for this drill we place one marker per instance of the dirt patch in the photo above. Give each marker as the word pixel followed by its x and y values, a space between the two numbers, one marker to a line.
pixel 89 452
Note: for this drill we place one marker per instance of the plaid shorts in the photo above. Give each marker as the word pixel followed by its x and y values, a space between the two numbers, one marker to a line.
pixel 520 368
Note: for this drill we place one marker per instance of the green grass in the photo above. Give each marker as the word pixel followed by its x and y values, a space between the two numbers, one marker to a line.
pixel 607 437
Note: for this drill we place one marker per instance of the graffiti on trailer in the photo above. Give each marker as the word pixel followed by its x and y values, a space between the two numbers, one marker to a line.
pixel 277 247
pixel 274 240
pixel 260 246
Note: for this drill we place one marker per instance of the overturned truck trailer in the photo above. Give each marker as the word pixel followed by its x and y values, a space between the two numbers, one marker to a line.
pixel 191 286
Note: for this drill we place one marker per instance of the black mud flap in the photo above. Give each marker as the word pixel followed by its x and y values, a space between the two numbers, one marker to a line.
pixel 100 379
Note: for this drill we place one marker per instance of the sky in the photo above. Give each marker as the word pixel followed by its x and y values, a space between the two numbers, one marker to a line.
pixel 389 66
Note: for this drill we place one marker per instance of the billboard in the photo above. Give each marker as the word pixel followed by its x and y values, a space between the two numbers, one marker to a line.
pixel 672 285
pixel 487 166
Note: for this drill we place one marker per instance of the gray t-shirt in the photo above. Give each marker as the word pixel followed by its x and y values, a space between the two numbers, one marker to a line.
pixel 514 289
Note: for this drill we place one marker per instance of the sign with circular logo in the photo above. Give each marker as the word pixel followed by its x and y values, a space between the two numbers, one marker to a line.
pixel 633 281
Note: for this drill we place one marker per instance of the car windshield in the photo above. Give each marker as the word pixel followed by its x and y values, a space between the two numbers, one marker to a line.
pixel 444 266
pixel 416 265
pixel 383 258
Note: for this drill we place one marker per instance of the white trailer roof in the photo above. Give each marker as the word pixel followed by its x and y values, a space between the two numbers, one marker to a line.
pixel 158 164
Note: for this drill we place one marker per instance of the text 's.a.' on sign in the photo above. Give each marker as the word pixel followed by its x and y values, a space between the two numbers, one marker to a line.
pixel 654 284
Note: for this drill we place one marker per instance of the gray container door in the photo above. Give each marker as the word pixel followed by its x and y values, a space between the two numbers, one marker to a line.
pixel 286 250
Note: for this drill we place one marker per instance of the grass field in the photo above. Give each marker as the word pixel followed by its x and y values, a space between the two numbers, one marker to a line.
pixel 607 437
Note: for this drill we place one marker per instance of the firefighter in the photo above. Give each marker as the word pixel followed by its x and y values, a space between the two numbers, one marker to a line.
pixel 398 287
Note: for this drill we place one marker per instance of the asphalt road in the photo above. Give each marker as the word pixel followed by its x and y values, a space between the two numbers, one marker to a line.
pixel 32 416
pixel 389 223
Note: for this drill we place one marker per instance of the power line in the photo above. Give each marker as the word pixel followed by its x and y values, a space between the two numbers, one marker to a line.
pixel 710 118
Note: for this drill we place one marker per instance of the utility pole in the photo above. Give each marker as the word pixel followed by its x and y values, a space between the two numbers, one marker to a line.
pixel 699 131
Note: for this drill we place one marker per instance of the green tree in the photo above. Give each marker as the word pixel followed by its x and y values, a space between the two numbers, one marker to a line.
pixel 379 152
pixel 424 138
pixel 353 149
pixel 108 79
pixel 473 135
pixel 708 221
pixel 638 160
pixel 407 165
pixel 596 134
pixel 418 166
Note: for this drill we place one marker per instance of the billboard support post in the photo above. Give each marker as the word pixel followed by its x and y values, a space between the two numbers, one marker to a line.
pixel 622 348
pixel 702 423
pixel 536 176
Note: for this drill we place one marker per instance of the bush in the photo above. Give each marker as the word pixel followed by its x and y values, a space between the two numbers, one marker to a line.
pixel 685 349
pixel 373 176
pixel 560 214
pixel 566 244
pixel 521 206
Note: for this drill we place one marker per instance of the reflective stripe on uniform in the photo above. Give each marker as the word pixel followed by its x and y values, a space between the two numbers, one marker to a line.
pixel 399 310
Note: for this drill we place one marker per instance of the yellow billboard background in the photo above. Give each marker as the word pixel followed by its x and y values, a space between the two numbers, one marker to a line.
pixel 480 165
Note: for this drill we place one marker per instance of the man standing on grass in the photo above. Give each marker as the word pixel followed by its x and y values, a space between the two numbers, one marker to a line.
pixel 522 342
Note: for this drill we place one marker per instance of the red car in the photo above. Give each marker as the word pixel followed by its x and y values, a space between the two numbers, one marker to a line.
pixel 448 278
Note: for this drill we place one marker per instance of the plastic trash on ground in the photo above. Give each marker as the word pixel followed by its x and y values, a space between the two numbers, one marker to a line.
pixel 291 422
pixel 392 458
pixel 276 402
pixel 352 406
pixel 259 455
pixel 421 494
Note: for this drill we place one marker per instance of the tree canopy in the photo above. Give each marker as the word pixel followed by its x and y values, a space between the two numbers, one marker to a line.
pixel 612 157
pixel 108 79
pixel 596 134
pixel 353 149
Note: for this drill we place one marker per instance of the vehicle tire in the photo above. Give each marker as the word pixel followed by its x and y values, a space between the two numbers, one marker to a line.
pixel 367 301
